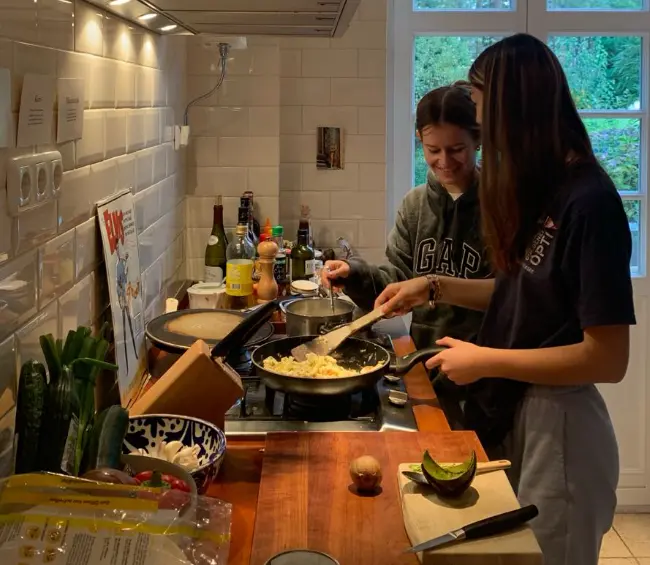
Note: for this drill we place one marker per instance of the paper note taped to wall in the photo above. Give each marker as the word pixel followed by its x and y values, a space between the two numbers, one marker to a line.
pixel 70 121
pixel 36 111
pixel 6 127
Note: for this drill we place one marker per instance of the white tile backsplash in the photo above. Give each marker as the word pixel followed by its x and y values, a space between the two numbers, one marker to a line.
pixel 18 292
pixel 88 252
pixel 125 85
pixel 90 148
pixel 8 376
pixel 159 163
pixel 56 270
pixel 45 322
pixel 115 132
pixel 74 205
pixel 136 136
pixel 34 227
pixel 144 169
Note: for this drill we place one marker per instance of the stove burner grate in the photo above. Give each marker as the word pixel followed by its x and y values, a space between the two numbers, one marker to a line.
pixel 317 408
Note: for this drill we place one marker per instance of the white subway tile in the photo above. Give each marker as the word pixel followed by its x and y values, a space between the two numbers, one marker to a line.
pixel 126 176
pixel 306 91
pixel 152 126
pixel 5 228
pixel 248 151
pixel 56 267
pixel 147 207
pixel 159 163
pixel 19 22
pixel 173 159
pixel 34 227
pixel 170 195
pixel 329 63
pixel 198 86
pixel 160 88
pixel 119 39
pixel 372 63
pixel 202 152
pixel 88 253
pixel 318 202
pixel 250 91
pixel 67 151
pixel 372 121
pixel 358 92
pixel 372 177
pixel 88 29
pixel 77 305
pixel 196 240
pixel 195 268
pixel 290 62
pixel 362 35
pixel 346 179
pixel 8 376
pixel 264 120
pixel 219 121
pixel 366 149
pixel 344 117
pixel 125 85
pixel 74 203
pixel 136 136
pixel 150 50
pixel 290 176
pixel 372 233
pixel 326 232
pixel 254 60
pixel 144 79
pixel 199 211
pixel 27 344
pixel 152 283
pixel 167 122
pixel 102 83
pixel 103 181
pixel 359 206
pixel 298 148
pixel 291 119
pixel 90 148
pixel 115 132
pixel 267 207
pixel 264 181
pixel 211 181
pixel 304 43
pixel 144 169
pixel 18 290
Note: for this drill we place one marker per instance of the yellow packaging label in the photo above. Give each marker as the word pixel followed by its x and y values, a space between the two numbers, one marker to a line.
pixel 20 496
pixel 239 277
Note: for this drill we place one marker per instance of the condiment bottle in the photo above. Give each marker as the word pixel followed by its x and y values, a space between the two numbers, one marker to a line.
pixel 239 268
pixel 267 288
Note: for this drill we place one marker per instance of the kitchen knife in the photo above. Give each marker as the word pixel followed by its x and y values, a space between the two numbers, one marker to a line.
pixel 482 528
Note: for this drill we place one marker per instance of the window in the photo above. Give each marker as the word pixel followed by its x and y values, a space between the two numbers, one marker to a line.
pixel 602 45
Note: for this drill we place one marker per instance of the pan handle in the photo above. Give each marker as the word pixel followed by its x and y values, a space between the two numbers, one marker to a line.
pixel 245 329
pixel 403 365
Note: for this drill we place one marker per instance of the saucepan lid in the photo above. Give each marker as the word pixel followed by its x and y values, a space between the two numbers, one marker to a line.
pixel 175 332
pixel 302 557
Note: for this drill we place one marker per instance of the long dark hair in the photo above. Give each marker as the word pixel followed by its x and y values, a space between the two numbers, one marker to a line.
pixel 531 130
pixel 448 105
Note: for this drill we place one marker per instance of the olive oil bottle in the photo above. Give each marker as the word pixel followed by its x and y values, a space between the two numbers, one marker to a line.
pixel 240 256
pixel 302 258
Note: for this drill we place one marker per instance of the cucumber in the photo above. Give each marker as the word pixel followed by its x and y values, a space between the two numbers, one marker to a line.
pixel 60 409
pixel 32 389
pixel 104 448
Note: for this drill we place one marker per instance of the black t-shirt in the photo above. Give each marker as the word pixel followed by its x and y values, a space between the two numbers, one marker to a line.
pixel 575 275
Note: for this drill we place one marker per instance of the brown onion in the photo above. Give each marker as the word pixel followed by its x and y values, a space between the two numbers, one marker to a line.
pixel 365 473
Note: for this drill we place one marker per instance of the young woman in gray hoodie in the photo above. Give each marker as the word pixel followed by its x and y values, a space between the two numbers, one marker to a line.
pixel 437 229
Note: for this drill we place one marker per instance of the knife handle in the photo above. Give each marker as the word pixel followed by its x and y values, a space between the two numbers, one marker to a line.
pixel 500 523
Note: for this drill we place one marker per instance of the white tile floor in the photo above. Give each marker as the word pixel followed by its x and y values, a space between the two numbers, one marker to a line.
pixel 628 543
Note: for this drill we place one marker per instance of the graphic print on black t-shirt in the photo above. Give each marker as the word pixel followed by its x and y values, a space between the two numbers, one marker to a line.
pixel 539 248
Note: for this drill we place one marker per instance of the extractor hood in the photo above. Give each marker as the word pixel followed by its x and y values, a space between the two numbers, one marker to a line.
pixel 311 18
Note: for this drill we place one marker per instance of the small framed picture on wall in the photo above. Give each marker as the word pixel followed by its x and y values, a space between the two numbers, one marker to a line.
pixel 329 148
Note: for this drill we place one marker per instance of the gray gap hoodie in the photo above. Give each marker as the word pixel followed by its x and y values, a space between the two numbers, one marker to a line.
pixel 432 233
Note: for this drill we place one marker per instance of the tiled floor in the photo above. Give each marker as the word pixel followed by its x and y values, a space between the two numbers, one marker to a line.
pixel 628 543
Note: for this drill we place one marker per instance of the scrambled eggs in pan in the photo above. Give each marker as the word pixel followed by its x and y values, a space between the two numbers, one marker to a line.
pixel 316 366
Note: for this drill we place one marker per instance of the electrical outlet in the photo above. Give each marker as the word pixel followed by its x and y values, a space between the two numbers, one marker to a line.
pixel 33 180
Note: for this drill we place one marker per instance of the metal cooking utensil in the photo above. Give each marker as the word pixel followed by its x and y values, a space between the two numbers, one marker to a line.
pixel 324 345
pixel 482 528
pixel 481 469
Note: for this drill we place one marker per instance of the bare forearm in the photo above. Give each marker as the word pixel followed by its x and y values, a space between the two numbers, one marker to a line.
pixel 474 294
pixel 576 364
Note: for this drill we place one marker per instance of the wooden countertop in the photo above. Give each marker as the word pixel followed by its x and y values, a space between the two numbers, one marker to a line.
pixel 239 478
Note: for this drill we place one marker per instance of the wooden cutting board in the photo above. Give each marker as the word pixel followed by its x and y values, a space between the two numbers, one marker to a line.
pixel 426 516
pixel 305 499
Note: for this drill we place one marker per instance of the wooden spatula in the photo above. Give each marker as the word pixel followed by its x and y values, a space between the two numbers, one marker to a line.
pixel 325 344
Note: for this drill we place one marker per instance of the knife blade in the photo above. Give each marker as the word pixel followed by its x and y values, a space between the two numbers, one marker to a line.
pixel 482 528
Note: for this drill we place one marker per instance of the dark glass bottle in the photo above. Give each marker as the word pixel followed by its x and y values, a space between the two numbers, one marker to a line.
pixel 215 250
pixel 302 258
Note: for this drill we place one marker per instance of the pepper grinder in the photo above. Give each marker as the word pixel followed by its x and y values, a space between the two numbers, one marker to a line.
pixel 267 288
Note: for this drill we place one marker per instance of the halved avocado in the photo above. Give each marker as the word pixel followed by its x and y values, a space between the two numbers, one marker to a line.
pixel 450 481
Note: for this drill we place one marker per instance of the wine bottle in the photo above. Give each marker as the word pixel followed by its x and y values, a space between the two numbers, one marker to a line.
pixel 239 267
pixel 302 258
pixel 255 224
pixel 215 250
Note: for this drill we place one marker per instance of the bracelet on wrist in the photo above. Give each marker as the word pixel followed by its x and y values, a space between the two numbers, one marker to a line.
pixel 435 293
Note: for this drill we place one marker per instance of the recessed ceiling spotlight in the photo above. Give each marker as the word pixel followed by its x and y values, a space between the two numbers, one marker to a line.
pixel 149 16
pixel 118 2
pixel 168 28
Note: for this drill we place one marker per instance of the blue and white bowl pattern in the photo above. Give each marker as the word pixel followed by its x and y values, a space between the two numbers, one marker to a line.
pixel 146 432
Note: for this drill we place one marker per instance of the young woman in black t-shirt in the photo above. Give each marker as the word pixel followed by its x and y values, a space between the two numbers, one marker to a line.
pixel 557 316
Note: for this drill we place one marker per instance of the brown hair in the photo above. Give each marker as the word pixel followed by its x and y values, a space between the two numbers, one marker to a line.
pixel 448 105
pixel 530 131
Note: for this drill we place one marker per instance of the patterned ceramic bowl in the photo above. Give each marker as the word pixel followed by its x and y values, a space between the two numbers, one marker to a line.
pixel 146 432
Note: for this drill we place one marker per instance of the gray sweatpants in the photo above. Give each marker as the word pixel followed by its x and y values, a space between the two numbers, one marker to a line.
pixel 565 461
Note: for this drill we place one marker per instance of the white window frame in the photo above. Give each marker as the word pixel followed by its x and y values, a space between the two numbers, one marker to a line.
pixel 530 16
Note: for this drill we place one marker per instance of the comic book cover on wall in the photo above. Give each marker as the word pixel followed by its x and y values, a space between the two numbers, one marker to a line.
pixel 120 243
